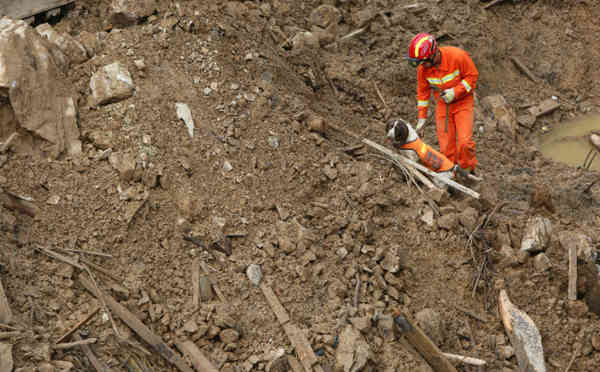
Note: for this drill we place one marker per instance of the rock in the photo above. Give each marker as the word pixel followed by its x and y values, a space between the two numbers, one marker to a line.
pixel 325 15
pixel 125 13
pixel 75 52
pixel 430 322
pixel 206 290
pixel 305 40
pixel 595 140
pixel 112 83
pixel 90 42
pixel 124 164
pixel 8 222
pixel 509 258
pixel 227 167
pixel 353 351
pixel 229 336
pixel 330 172
pixel 596 341
pixel 582 243
pixel 505 352
pixel 41 104
pixel 102 139
pixel 190 326
pixel 541 263
pixel 385 325
pixel 273 142
pixel 588 272
pixel 362 324
pixel 120 292
pixel 254 274
pixel 184 113
pixel 6 359
pixel 427 216
pixel 468 218
pixel 537 234
pixel 364 15
pixel 44 367
pixel 503 115
pixel 448 221
pixel 391 259
pixel 140 64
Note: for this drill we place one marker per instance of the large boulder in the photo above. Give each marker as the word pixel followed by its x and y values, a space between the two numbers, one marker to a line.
pixel 35 98
pixel 537 234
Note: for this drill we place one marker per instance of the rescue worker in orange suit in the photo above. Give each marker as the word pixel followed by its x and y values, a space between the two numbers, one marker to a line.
pixel 452 75
pixel 404 137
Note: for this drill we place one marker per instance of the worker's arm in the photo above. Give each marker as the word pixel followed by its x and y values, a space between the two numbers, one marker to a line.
pixel 423 94
pixel 469 76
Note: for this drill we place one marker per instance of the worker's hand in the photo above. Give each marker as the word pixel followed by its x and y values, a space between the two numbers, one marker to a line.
pixel 464 173
pixel 448 95
pixel 420 124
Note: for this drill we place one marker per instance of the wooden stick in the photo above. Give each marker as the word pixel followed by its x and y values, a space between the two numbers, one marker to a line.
pixel 417 338
pixel 138 327
pixel 572 273
pixel 77 326
pixel 69 345
pixel 198 359
pixel 423 169
pixel 196 284
pixel 523 69
pixel 101 270
pixel 94 361
pixel 276 306
pixel 86 252
pixel 487 6
pixel 6 145
pixel 11 328
pixel 380 95
pixel 465 359
pixel 471 314
pixel 214 284
pixel 5 335
pixel 6 315
pixel 112 321
pixel 59 257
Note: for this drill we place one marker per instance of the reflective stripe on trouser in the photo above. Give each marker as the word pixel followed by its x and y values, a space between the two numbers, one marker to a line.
pixel 457 144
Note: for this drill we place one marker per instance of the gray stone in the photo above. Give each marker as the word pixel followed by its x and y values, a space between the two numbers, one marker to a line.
pixel 431 323
pixel 391 260
pixel 353 351
pixel 112 83
pixel 448 221
pixel 273 142
pixel 537 234
pixel 254 274
pixel 541 262
pixel 229 336
pixel 468 218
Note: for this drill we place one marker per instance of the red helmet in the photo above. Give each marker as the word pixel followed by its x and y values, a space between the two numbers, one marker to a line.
pixel 422 48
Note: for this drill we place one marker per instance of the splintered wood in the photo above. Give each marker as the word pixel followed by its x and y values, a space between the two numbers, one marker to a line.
pixel 307 359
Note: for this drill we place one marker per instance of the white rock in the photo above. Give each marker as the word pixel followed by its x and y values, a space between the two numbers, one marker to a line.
pixel 207 91
pixel 353 351
pixel 254 274
pixel 53 200
pixel 235 86
pixel 227 166
pixel 140 64
pixel 537 234
pixel 184 113
pixel 72 48
pixel 112 83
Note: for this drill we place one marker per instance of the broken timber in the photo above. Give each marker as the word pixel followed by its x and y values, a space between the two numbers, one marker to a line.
pixel 524 335
pixel 297 337
pixel 78 325
pixel 419 340
pixel 199 361
pixel 95 362
pixel 5 312
pixel 27 8
pixel 572 273
pixel 138 327
pixel 422 168
pixel 523 69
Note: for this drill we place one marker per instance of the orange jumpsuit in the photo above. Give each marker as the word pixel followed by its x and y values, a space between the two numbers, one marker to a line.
pixel 429 156
pixel 457 71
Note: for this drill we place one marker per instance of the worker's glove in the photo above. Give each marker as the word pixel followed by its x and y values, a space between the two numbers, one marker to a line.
pixel 420 124
pixel 464 173
pixel 448 95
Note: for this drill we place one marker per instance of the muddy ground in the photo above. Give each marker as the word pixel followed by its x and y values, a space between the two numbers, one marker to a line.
pixel 254 186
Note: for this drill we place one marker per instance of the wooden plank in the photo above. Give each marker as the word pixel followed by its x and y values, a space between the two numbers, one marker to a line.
pixel 196 284
pixel 94 361
pixel 524 335
pixel 421 168
pixel 465 359
pixel 423 344
pixel 276 306
pixel 137 326
pixel 572 273
pixel 19 9
pixel 199 361
pixel 544 107
pixel 523 69
pixel 77 326
pixel 6 315
pixel 303 348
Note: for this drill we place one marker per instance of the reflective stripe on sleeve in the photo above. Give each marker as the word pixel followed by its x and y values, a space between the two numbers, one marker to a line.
pixel 466 85
pixel 422 103
pixel 423 149
pixel 434 81
pixel 450 77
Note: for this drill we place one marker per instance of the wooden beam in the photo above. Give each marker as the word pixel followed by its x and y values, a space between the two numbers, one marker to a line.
pixel 421 168
pixel 423 344
pixel 137 326
pixel 196 284
pixel 70 345
pixel 77 326
pixel 523 69
pixel 6 315
pixel 572 273
pixel 94 361
pixel 276 306
pixel 198 359
pixel 6 145
pixel 26 8
pixel 302 346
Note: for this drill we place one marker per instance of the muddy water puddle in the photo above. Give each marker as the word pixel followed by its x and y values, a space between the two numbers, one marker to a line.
pixel 569 143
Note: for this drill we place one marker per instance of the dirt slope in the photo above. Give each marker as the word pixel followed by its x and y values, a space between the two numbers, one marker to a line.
pixel 313 217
